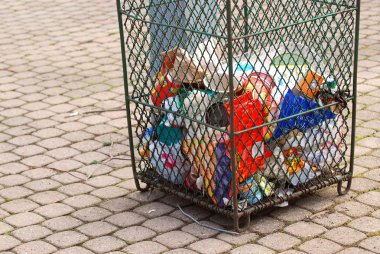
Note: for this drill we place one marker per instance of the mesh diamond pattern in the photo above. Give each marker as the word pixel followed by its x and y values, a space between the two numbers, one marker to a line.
pixel 240 104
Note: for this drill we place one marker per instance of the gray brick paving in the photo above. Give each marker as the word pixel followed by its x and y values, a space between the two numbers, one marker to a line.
pixel 59 57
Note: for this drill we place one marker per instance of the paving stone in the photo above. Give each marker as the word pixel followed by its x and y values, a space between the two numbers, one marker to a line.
pixel 279 241
pixel 62 153
pixel 119 204
pixel 66 178
pixel 75 189
pixel 144 197
pixel 368 162
pixel 62 223
pixel 370 142
pixel 145 247
pixel 109 192
pixel 19 206
pixel 5 147
pixel 210 245
pixel 370 198
pixel 196 212
pixel 252 249
pixel 91 214
pixel 180 251
pixel 265 225
pixel 42 185
pixel 95 170
pixel 97 228
pixel 154 209
pixel 366 224
pixel 5 228
pixel 48 133
pixel 15 192
pixel 24 219
pixel 23 140
pixel 47 197
pixel 54 210
pixel 89 157
pixel 8 242
pixel 354 250
pixel 104 244
pixel 373 174
pixel 3 214
pixel 39 173
pixel 66 239
pixel 291 214
pixel 12 180
pixel 65 165
pixel 353 209
pixel 29 150
pixel 305 229
pixel 87 145
pixel 175 239
pixel 330 220
pixel 241 239
pixel 12 168
pixel 344 235
pixel 135 234
pixel 82 201
pixel 124 173
pixel 202 232
pixel 35 247
pixel 376 214
pixel 74 250
pixel 102 181
pixel 126 219
pixel 37 161
pixel 320 246
pixel 371 244
pixel 163 224
pixel 314 203
pixel 31 233
pixel 364 184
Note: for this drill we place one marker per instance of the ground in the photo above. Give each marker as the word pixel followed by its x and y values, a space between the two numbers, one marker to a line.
pixel 63 56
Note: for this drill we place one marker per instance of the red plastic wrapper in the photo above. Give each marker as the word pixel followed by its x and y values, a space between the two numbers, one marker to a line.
pixel 251 150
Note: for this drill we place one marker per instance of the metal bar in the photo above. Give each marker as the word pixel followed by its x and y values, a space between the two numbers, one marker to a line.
pixel 354 89
pixel 251 210
pixel 176 113
pixel 290 117
pixel 293 24
pixel 246 27
pixel 335 4
pixel 126 91
pixel 150 5
pixel 178 27
pixel 232 113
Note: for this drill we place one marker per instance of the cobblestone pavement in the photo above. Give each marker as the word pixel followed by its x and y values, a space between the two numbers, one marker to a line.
pixel 61 56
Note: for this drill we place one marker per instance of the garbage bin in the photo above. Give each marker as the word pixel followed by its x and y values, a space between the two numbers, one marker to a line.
pixel 249 104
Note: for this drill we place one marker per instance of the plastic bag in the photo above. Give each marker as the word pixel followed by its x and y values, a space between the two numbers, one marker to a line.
pixel 298 171
pixel 210 162
pixel 321 145
pixel 251 151
pixel 169 162
pixel 183 67
pixel 250 191
pixel 294 104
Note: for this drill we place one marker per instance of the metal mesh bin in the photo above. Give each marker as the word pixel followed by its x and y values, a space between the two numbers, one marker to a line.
pixel 240 105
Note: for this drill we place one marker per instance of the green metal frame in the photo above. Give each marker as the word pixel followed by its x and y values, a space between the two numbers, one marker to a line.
pixel 231 39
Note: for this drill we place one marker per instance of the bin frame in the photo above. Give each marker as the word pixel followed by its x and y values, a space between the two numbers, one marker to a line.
pixel 242 219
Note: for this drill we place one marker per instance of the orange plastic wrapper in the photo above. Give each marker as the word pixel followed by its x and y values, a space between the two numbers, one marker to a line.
pixel 251 150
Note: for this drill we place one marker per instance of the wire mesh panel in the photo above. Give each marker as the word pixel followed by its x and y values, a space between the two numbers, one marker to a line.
pixel 240 105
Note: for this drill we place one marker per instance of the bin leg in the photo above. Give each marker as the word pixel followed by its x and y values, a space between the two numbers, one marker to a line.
pixel 139 188
pixel 242 224
pixel 346 189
